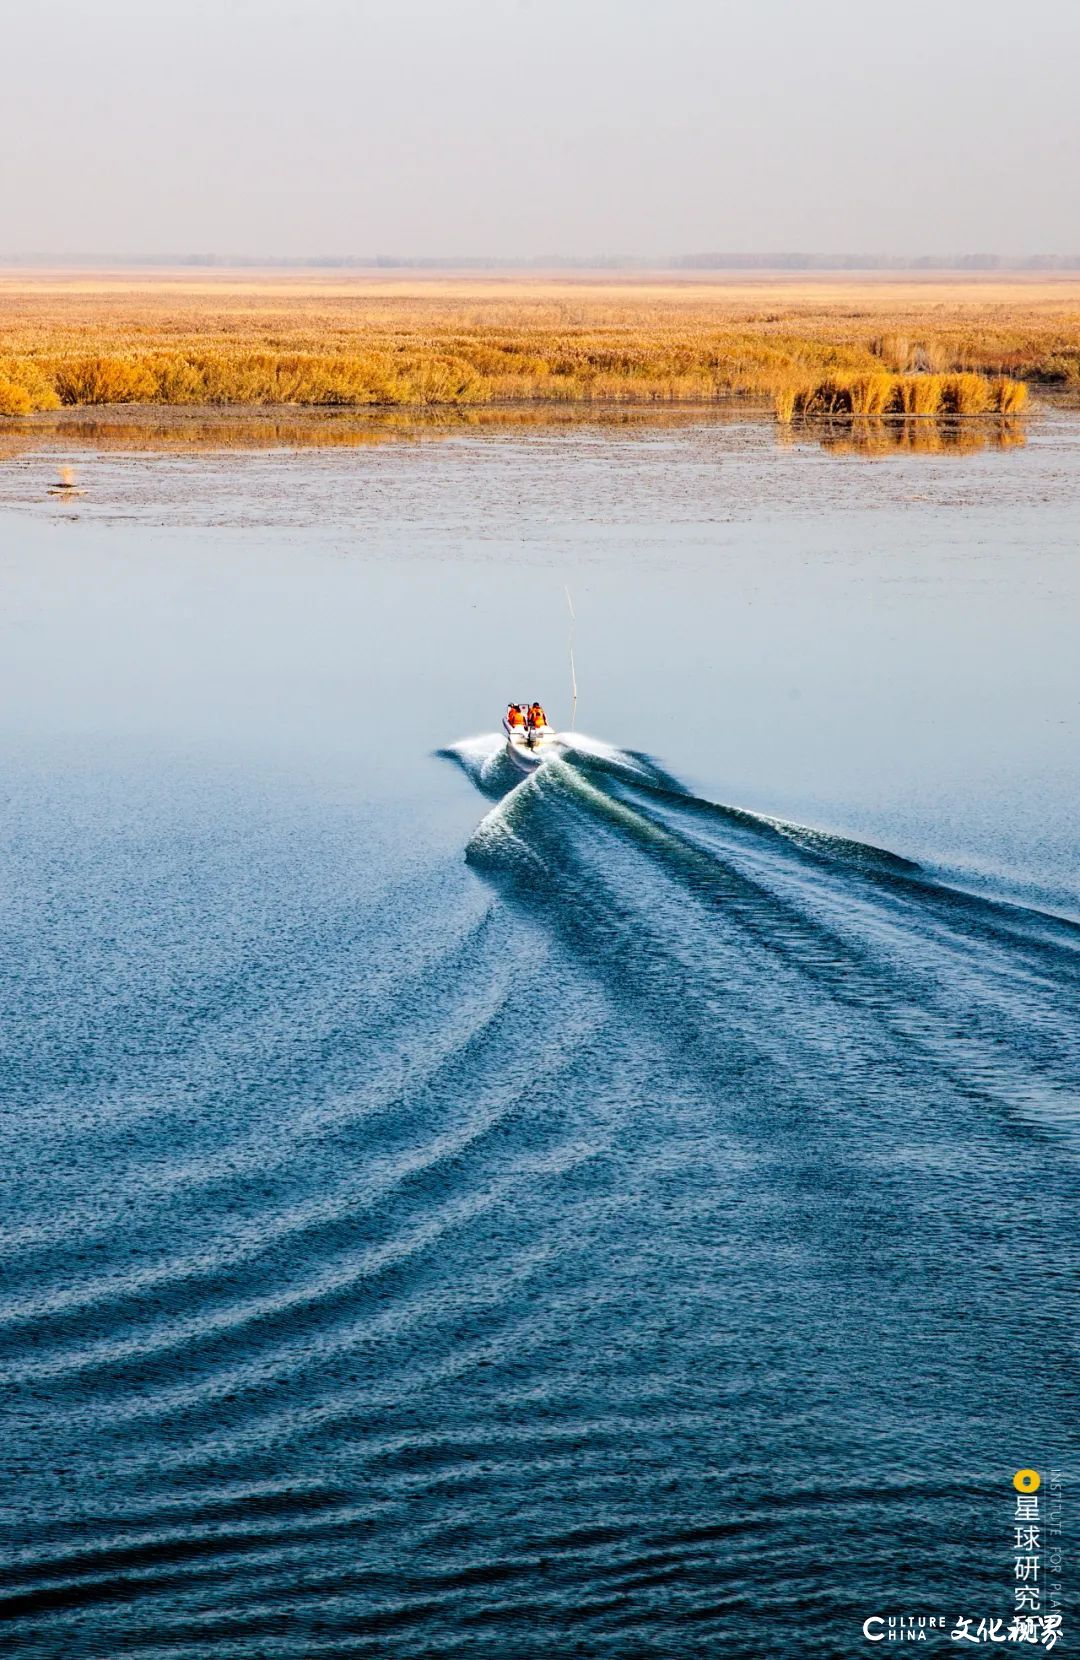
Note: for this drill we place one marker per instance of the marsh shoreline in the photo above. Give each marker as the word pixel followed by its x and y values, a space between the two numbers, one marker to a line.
pixel 197 420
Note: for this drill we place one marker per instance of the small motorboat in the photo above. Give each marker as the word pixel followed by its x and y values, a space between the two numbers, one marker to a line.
pixel 529 744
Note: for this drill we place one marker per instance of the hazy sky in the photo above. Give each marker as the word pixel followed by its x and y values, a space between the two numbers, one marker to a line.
pixel 525 127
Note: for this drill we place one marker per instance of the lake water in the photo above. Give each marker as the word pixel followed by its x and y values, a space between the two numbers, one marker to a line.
pixel 628 1212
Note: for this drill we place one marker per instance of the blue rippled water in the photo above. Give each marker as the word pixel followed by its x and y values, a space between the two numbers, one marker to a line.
pixel 644 1235
pixel 450 1214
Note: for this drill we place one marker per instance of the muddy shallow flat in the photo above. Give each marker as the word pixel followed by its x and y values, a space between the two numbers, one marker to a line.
pixel 255 454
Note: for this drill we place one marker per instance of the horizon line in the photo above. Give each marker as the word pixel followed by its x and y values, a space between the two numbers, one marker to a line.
pixel 716 261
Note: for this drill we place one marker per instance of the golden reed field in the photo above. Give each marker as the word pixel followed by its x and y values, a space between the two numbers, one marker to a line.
pixel 830 344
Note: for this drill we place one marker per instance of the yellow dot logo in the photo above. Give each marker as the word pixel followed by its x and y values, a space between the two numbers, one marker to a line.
pixel 1027 1481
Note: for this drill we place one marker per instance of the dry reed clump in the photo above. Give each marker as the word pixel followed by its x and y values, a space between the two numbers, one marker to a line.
pixel 964 394
pixel 92 380
pixel 918 395
pixel 23 387
pixel 846 394
pixel 784 403
pixel 265 378
pixel 925 357
pixel 14 399
pixel 1058 370
pixel 895 352
pixel 871 394
pixel 1007 397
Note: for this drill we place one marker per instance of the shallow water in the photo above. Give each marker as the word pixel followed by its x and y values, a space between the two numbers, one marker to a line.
pixel 623 1212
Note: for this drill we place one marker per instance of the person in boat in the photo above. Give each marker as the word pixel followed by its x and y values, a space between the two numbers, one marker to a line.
pixel 536 717
pixel 515 716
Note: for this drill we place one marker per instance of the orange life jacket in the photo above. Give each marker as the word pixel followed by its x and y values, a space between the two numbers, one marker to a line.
pixel 537 716
pixel 514 717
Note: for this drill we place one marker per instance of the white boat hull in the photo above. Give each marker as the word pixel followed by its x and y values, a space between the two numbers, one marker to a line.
pixel 528 748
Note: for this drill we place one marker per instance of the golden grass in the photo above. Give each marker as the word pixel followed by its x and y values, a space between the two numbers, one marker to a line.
pixel 784 402
pixel 1008 397
pixel 853 346
pixel 920 394
pixel 897 394
pixel 14 397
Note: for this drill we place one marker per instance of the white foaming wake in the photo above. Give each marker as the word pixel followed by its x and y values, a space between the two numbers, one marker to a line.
pixel 484 759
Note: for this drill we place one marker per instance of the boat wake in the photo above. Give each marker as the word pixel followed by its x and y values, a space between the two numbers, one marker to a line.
pixel 749 936
pixel 413 1255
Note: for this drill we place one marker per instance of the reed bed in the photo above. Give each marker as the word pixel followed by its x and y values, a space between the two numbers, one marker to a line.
pixel 912 395
pixel 812 348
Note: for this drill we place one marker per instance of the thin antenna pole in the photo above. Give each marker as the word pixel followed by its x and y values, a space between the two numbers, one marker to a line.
pixel 573 670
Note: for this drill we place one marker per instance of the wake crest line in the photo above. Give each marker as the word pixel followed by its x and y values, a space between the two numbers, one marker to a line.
pixel 726 929
pixel 631 779
pixel 628 790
